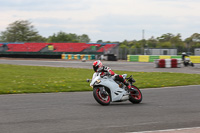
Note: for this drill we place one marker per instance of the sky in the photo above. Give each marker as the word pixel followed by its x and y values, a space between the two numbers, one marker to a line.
pixel 107 20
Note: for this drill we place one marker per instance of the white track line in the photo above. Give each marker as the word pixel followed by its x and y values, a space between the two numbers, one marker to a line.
pixel 169 87
pixel 179 130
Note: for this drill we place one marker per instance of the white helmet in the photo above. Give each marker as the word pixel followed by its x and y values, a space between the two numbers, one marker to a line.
pixel 183 53
pixel 97 64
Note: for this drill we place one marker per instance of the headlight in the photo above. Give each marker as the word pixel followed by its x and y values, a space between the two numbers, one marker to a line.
pixel 98 81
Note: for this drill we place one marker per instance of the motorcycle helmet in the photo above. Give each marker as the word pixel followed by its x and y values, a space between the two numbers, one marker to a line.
pixel 183 53
pixel 97 64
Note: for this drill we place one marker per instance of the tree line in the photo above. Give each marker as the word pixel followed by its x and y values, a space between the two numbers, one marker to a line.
pixel 24 31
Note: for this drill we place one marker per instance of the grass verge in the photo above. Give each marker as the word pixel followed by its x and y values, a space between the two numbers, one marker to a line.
pixel 38 79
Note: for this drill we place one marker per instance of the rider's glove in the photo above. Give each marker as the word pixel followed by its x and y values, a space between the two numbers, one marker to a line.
pixel 100 69
pixel 107 74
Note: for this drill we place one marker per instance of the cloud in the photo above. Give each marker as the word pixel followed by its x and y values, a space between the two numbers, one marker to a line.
pixel 42 5
pixel 112 20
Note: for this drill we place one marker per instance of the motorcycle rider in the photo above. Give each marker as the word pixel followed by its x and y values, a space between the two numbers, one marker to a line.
pixel 186 61
pixel 99 67
pixel 183 56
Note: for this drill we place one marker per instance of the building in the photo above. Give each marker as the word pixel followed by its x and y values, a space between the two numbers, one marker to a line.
pixel 197 51
pixel 157 51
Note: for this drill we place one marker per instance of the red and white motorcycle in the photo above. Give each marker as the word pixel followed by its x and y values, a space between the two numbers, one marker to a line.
pixel 107 90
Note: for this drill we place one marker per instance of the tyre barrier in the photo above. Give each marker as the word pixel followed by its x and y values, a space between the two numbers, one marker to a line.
pixel 152 58
pixel 77 57
pixel 167 63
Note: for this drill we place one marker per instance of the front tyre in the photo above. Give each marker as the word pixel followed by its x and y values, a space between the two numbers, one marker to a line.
pixel 100 98
pixel 192 64
pixel 135 98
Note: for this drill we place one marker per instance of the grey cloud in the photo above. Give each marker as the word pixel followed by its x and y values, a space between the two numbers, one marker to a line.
pixel 107 27
pixel 124 27
pixel 43 5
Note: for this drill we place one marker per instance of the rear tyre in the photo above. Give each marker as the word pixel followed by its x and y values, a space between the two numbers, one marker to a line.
pixel 135 98
pixel 101 99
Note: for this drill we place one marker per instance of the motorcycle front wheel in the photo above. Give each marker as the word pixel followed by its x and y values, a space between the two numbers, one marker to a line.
pixel 100 98
pixel 135 98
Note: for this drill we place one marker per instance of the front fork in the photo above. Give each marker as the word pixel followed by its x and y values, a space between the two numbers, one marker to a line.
pixel 102 91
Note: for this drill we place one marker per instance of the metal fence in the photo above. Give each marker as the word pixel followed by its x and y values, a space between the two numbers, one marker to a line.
pixel 123 52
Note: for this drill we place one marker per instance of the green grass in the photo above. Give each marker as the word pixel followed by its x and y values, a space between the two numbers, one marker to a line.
pixel 39 79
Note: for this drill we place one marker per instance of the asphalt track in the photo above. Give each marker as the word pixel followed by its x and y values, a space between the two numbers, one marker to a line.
pixel 119 65
pixel 78 112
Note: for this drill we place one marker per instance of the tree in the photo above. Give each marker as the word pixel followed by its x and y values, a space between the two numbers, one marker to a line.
pixel 100 41
pixel 196 37
pixel 177 42
pixel 193 38
pixel 193 41
pixel 152 42
pixel 84 38
pixel 170 41
pixel 165 37
pixel 65 37
pixel 164 44
pixel 20 31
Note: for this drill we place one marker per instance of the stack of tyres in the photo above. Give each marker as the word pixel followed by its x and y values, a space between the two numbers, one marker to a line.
pixel 162 63
pixel 75 57
pixel 92 57
pixel 78 56
pixel 82 56
pixel 195 59
pixel 69 56
pixel 167 63
pixel 128 57
pixel 63 56
pixel 134 58
pixel 152 58
pixel 86 57
pixel 66 56
pixel 72 56
pixel 156 62
pixel 174 63
pixel 89 57
pixel 176 57
pixel 179 61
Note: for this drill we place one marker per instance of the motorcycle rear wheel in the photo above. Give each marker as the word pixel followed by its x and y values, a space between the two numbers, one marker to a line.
pixel 135 98
pixel 103 100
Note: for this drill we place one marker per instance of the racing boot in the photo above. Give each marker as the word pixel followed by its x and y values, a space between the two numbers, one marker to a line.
pixel 130 88
pixel 133 90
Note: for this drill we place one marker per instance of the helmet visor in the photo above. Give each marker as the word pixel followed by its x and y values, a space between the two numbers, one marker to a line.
pixel 95 68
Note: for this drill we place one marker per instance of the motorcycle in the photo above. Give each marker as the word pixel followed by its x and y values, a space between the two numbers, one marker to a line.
pixel 187 62
pixel 107 90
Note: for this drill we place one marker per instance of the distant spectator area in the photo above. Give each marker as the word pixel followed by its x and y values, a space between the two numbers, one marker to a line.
pixel 56 47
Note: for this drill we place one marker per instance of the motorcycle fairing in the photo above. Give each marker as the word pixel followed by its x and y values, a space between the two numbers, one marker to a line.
pixel 116 92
